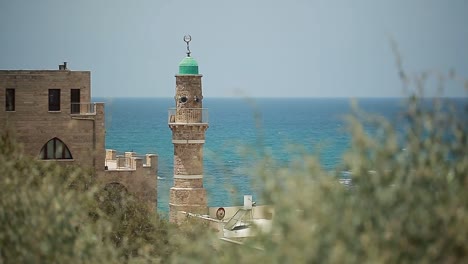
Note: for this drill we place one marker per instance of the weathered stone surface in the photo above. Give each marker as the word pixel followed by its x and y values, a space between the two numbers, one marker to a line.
pixel 189 86
pixel 185 132
pixel 35 125
pixel 188 183
pixel 188 159
pixel 83 133
pixel 140 182
pixel 188 194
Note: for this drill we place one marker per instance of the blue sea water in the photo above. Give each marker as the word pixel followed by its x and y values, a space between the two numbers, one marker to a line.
pixel 270 125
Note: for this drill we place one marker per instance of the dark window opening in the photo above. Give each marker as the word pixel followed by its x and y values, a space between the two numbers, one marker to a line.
pixel 54 99
pixel 10 100
pixel 75 101
pixel 55 149
pixel 183 99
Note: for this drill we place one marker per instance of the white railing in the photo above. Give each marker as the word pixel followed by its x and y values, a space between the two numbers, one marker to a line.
pixel 188 116
pixel 83 108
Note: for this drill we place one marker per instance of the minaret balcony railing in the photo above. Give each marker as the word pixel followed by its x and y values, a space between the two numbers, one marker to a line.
pixel 188 116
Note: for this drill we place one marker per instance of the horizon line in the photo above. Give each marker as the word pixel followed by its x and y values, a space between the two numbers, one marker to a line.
pixel 289 97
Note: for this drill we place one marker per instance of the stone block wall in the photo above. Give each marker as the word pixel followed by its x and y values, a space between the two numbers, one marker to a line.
pixel 83 133
pixel 188 136
pixel 137 177
pixel 189 86
pixel 197 206
pixel 189 132
pixel 34 125
pixel 141 182
pixel 188 159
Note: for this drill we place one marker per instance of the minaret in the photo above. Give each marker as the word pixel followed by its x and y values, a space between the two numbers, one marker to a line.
pixel 188 122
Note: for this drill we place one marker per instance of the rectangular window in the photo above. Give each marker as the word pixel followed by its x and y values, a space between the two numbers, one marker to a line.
pixel 10 100
pixel 75 101
pixel 54 99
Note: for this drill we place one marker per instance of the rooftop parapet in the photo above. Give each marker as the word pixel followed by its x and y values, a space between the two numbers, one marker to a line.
pixel 130 161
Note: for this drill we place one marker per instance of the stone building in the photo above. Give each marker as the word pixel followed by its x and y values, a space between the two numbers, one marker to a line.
pixel 51 114
pixel 188 122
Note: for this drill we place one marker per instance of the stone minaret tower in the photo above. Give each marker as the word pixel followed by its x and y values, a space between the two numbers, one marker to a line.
pixel 188 122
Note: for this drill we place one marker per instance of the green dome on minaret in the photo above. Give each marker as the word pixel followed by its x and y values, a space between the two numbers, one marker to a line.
pixel 188 66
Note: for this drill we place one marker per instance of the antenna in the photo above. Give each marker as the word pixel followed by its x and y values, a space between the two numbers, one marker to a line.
pixel 187 39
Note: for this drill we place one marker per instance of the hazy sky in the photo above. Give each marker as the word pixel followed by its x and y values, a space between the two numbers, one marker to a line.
pixel 257 48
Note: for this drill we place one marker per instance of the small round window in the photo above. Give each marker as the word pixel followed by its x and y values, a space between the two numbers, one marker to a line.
pixel 183 99
pixel 197 99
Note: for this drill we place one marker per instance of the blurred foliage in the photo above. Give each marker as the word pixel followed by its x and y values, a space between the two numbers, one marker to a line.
pixel 43 214
pixel 408 201
pixel 138 232
pixel 55 214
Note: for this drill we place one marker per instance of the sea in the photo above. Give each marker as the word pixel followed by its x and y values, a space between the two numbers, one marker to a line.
pixel 240 131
